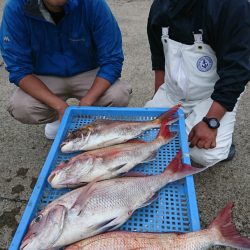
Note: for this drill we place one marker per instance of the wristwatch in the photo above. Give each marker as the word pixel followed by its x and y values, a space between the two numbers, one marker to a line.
pixel 211 122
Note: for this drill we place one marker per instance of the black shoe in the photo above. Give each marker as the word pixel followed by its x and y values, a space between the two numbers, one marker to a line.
pixel 231 154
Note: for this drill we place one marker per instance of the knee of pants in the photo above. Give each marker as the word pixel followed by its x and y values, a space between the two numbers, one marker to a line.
pixel 119 98
pixel 208 157
pixel 120 101
pixel 31 115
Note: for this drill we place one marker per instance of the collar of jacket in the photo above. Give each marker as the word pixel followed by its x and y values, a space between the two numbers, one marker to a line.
pixel 36 9
pixel 179 6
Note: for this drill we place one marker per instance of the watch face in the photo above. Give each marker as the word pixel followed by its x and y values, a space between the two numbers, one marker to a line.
pixel 213 123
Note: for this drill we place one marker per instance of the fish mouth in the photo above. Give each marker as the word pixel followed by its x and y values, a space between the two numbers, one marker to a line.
pixel 26 240
pixel 24 244
pixel 65 147
pixel 53 182
pixel 63 144
pixel 51 177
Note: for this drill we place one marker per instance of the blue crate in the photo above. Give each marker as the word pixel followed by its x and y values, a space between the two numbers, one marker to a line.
pixel 175 210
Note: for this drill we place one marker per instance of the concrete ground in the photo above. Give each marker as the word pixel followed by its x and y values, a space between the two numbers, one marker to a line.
pixel 23 147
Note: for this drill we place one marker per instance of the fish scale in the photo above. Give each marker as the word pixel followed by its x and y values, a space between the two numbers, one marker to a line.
pixel 127 192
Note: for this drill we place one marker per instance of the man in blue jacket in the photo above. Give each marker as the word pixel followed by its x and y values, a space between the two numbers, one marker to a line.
pixel 60 49
pixel 200 54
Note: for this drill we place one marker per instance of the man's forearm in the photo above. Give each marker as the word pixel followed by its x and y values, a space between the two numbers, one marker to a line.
pixel 216 111
pixel 159 79
pixel 37 89
pixel 100 85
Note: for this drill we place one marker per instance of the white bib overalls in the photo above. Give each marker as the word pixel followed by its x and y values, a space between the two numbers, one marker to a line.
pixel 190 76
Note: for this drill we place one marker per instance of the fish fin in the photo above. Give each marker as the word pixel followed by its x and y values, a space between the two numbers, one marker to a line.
pixel 152 157
pixel 104 121
pixel 148 202
pixel 111 228
pixel 229 236
pixel 118 167
pixel 134 174
pixel 111 224
pixel 102 224
pixel 118 221
pixel 85 140
pixel 165 132
pixel 74 185
pixel 177 170
pixel 82 199
pixel 169 115
pixel 135 141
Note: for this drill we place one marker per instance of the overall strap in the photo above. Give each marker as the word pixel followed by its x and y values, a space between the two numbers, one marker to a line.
pixel 165 35
pixel 165 31
pixel 198 32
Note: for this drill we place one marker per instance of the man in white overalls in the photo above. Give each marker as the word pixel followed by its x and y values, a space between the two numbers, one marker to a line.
pixel 200 54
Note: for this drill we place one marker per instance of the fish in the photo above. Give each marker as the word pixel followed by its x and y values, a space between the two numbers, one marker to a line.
pixel 220 232
pixel 102 133
pixel 109 162
pixel 98 207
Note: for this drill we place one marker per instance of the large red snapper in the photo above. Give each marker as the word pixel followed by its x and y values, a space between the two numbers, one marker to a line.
pixel 98 207
pixel 103 133
pixel 220 232
pixel 109 162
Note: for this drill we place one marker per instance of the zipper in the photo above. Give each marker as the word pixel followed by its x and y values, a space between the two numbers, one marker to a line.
pixel 62 49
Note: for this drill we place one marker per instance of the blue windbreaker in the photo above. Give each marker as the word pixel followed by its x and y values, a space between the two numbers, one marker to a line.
pixel 86 38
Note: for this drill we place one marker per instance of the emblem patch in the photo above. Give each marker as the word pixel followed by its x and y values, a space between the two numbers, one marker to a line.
pixel 204 64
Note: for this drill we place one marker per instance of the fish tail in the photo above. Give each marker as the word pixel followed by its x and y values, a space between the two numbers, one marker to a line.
pixel 177 170
pixel 165 133
pixel 229 236
pixel 168 116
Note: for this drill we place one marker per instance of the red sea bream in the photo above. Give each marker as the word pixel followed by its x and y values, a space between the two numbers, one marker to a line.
pixel 98 207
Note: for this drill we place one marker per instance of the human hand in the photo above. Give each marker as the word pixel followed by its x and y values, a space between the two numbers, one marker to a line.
pixel 60 109
pixel 202 136
pixel 84 102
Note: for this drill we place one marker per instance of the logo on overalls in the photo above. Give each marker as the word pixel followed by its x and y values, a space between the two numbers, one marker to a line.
pixel 204 64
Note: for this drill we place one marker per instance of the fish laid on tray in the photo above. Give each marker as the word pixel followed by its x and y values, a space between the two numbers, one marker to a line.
pixel 220 232
pixel 109 162
pixel 103 133
pixel 98 207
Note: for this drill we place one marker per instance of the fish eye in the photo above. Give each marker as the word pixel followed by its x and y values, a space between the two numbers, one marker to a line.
pixel 38 218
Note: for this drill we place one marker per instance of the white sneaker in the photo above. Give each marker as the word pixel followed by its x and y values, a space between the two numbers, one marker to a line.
pixel 50 129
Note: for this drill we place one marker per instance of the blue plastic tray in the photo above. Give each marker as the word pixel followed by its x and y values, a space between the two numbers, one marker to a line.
pixel 176 206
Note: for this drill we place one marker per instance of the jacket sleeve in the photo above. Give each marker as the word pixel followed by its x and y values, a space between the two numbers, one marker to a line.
pixel 107 40
pixel 233 53
pixel 15 45
pixel 154 31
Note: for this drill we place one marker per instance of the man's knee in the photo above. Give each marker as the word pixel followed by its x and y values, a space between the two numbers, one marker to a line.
pixel 117 96
pixel 120 100
pixel 208 157
pixel 27 114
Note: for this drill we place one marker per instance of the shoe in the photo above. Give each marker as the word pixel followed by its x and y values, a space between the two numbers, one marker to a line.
pixel 231 154
pixel 50 129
